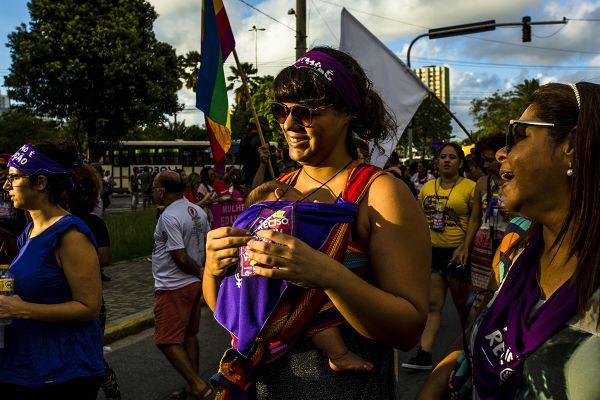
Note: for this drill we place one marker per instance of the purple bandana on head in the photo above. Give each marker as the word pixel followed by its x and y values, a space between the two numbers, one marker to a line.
pixel 336 74
pixel 31 161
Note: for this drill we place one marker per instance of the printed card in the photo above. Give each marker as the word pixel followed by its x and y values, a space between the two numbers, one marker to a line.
pixel 282 220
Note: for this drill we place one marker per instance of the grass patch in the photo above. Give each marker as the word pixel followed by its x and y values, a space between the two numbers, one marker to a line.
pixel 131 234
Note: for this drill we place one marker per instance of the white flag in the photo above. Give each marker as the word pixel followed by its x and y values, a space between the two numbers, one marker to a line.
pixel 401 90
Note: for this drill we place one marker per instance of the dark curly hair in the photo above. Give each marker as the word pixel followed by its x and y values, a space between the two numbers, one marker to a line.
pixel 305 86
pixel 86 189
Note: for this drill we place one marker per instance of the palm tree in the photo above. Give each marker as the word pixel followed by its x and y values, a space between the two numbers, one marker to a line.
pixel 188 68
pixel 236 77
pixel 521 95
pixel 525 90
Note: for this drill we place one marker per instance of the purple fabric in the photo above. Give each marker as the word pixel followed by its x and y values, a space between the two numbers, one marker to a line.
pixel 336 73
pixel 244 305
pixel 30 161
pixel 511 329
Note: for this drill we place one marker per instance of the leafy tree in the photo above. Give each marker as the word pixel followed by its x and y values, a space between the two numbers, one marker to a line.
pixel 492 113
pixel 96 64
pixel 431 122
pixel 262 98
pixel 19 127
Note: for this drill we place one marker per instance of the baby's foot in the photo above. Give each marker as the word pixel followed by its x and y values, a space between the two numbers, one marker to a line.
pixel 349 361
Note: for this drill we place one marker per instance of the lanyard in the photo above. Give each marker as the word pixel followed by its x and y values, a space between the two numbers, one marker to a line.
pixel 436 191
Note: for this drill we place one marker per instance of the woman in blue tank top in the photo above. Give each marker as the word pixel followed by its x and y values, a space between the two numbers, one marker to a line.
pixel 53 347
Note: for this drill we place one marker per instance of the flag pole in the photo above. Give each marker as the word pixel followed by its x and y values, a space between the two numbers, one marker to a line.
pixel 252 109
pixel 454 117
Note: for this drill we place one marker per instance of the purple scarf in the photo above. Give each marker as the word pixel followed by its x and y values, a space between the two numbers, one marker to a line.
pixel 245 304
pixel 511 330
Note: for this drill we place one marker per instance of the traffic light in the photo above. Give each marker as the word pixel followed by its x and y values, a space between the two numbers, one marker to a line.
pixel 526 29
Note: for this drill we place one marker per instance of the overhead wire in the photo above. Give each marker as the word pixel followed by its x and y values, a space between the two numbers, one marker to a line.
pixel 476 37
pixel 501 65
pixel 531 47
pixel 550 35
pixel 373 15
pixel 326 24
pixel 268 16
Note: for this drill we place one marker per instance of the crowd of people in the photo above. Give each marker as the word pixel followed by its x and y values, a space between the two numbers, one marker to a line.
pixel 332 265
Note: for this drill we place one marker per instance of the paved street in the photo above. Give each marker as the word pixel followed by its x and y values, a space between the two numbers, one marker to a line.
pixel 144 373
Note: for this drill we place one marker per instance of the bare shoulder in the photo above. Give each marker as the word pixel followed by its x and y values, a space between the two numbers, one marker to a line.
pixel 387 199
pixel 387 190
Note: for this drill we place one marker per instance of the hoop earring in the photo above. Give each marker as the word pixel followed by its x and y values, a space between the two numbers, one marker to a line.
pixel 570 169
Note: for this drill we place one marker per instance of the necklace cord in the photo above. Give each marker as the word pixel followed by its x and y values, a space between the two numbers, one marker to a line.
pixel 326 182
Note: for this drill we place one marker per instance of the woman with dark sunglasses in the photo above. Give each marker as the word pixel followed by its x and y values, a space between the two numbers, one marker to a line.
pixel 539 336
pixel 322 101
pixel 53 347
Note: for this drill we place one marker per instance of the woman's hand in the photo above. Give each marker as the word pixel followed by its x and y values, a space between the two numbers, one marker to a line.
pixel 264 153
pixel 290 258
pixel 222 246
pixel 460 256
pixel 12 307
pixel 209 197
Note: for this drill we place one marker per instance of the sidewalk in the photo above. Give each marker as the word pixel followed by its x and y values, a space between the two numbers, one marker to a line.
pixel 129 298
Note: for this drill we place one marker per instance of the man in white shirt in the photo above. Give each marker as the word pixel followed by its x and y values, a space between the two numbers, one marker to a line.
pixel 177 264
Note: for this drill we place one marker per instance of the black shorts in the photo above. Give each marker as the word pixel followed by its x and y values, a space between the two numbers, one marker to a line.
pixel 441 263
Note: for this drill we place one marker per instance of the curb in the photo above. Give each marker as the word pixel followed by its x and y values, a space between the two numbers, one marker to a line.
pixel 129 325
pixel 132 324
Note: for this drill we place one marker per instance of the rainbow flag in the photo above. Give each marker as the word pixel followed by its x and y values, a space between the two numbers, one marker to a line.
pixel 220 142
pixel 211 92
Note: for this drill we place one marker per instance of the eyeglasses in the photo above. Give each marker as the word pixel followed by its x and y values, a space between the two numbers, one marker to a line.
pixel 10 178
pixel 157 187
pixel 516 129
pixel 301 114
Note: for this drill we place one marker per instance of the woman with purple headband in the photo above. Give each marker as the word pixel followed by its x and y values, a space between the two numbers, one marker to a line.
pixel 53 347
pixel 539 335
pixel 376 291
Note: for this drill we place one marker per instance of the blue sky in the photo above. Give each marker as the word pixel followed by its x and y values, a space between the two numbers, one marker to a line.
pixel 479 64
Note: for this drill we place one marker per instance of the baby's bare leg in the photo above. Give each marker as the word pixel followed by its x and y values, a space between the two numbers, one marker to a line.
pixel 330 341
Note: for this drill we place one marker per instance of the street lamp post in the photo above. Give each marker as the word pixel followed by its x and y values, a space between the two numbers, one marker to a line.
pixel 438 33
pixel 255 29
pixel 466 29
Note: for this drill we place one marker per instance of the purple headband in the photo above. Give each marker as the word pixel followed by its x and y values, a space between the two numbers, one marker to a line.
pixel 336 74
pixel 31 161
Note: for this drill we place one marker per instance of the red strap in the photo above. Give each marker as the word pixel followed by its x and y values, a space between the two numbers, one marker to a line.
pixel 357 185
pixel 359 181
pixel 288 178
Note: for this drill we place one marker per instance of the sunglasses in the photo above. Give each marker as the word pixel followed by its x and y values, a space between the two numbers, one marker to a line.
pixel 516 129
pixel 301 114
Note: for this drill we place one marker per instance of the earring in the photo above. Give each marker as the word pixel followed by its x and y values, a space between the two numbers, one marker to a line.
pixel 570 169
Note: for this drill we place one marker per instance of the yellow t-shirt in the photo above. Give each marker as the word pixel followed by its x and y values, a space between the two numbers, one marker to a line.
pixel 457 210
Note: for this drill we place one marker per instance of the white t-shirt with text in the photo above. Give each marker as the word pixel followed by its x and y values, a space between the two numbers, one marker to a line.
pixel 182 225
